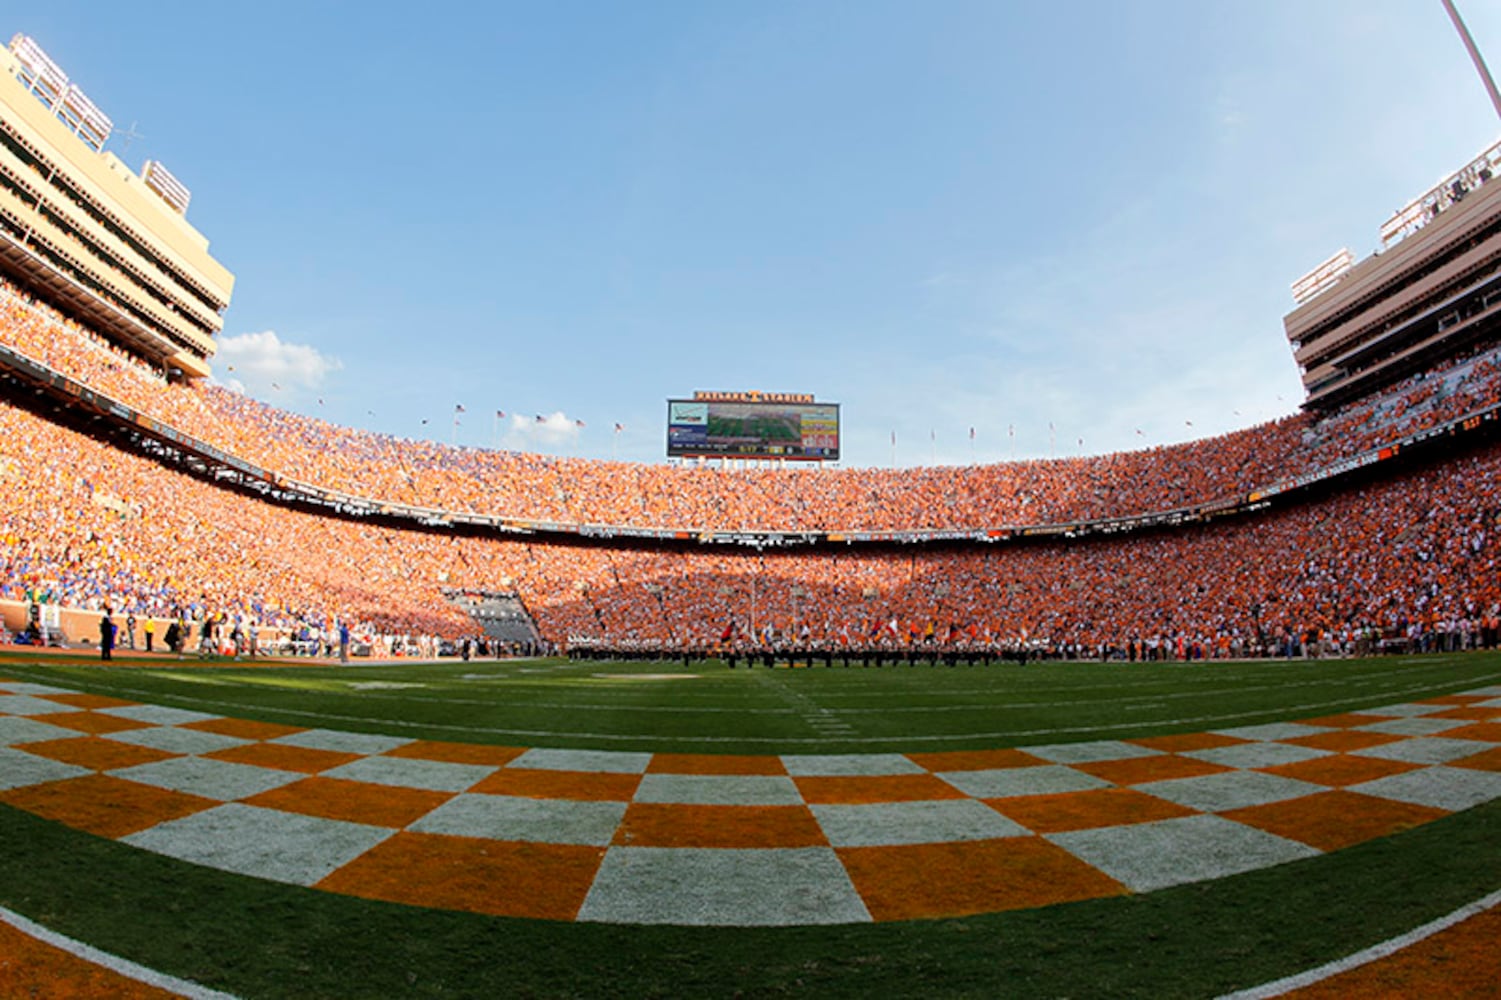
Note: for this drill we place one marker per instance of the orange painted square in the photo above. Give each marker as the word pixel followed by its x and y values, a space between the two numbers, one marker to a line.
pixel 1184 742
pixel 1136 770
pixel 457 753
pixel 79 699
pixel 1087 810
pixel 354 801
pixel 101 755
pixel 1340 770
pixel 657 824
pixel 1346 720
pixel 504 878
pixel 245 729
pixel 1331 820
pixel 303 760
pixel 92 722
pixel 711 763
pixel 537 783
pixel 973 760
pixel 1490 732
pixel 1344 740
pixel 1485 760
pixel 917 881
pixel 104 805
pixel 832 789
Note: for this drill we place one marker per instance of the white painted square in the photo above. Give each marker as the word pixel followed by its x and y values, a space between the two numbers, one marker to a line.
pixel 432 775
pixel 342 742
pixel 607 761
pixel 1425 750
pixel 1452 788
pixel 265 843
pixel 19 769
pixel 1089 752
pixel 1009 782
pixel 1229 790
pixel 505 817
pixel 211 779
pixel 1415 726
pixel 848 764
pixel 16 729
pixel 719 789
pixel 174 740
pixel 879 824
pixel 723 888
pixel 1251 755
pixel 25 704
pixel 1147 856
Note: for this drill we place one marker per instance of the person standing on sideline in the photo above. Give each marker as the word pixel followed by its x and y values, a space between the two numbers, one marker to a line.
pixel 343 641
pixel 150 629
pixel 130 630
pixel 106 636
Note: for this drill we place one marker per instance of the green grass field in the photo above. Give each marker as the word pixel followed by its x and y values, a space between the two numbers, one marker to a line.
pixel 263 939
pixel 709 708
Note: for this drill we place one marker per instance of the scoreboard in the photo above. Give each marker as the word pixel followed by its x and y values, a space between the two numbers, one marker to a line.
pixel 753 425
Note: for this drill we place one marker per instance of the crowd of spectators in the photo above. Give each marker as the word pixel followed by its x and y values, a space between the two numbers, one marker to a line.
pixel 569 490
pixel 1446 392
pixel 1415 559
pixel 87 525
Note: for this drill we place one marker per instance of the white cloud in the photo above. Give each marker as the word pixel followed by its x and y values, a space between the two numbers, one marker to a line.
pixel 542 432
pixel 263 364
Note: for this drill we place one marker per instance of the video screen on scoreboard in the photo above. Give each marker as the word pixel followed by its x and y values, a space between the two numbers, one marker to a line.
pixel 806 431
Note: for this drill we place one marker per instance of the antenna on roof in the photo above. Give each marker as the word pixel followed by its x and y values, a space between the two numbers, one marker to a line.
pixel 129 135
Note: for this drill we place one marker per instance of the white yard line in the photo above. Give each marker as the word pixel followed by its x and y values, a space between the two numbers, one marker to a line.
pixel 1374 953
pixel 114 963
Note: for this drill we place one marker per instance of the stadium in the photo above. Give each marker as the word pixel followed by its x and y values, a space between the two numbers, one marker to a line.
pixel 392 717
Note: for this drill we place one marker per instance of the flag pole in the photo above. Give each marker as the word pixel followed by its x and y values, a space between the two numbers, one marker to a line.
pixel 1475 57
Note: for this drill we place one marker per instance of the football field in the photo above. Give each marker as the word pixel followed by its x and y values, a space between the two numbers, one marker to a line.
pixel 554 828
pixel 708 708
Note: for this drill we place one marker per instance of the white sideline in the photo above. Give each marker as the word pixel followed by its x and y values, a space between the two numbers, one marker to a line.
pixel 1375 952
pixel 114 963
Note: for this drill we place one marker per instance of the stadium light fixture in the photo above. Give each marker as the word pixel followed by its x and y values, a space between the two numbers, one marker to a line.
pixel 46 79
pixel 159 179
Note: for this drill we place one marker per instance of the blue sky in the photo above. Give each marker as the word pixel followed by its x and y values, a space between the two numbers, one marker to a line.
pixel 940 215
